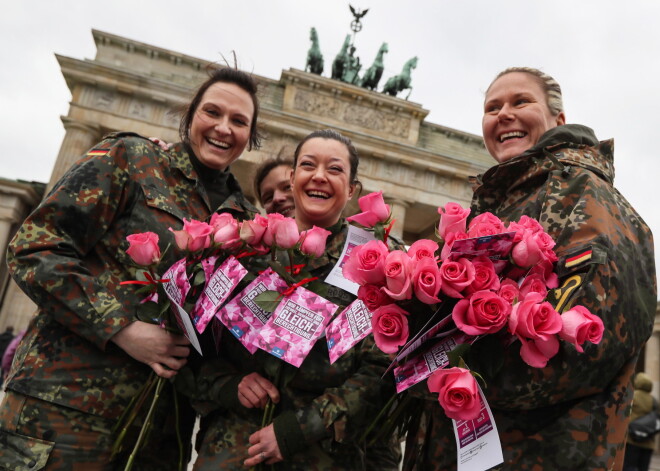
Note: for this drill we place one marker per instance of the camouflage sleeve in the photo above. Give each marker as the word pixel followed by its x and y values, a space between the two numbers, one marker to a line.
pixel 49 257
pixel 606 264
pixel 344 412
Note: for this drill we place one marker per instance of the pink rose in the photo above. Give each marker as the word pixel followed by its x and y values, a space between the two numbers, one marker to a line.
pixel 373 297
pixel 390 327
pixel 313 241
pixel 374 210
pixel 269 236
pixel 580 325
pixel 482 313
pixel 485 224
pixel 458 393
pixel 194 236
pixel 533 283
pixel 252 232
pixel 366 263
pixel 426 280
pixel 524 224
pixel 452 219
pixel 143 248
pixel 281 232
pixel 545 270
pixel 509 290
pixel 398 268
pixel 423 248
pixel 485 277
pixel 456 276
pixel 536 324
pixel 226 230
pixel 532 249
pixel 449 242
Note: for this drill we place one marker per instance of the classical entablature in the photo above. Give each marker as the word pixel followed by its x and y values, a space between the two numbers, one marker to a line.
pixel 138 87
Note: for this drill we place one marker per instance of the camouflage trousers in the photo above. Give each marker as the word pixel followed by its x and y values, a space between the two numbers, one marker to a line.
pixel 39 435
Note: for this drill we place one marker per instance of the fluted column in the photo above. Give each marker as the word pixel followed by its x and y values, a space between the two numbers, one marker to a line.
pixel 79 137
pixel 652 360
pixel 399 208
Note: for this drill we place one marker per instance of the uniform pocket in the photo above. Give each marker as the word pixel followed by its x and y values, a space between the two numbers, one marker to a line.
pixel 160 198
pixel 21 453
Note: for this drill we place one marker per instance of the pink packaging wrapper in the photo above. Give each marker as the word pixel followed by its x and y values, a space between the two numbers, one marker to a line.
pixel 421 366
pixel 242 316
pixel 347 329
pixel 295 326
pixel 219 285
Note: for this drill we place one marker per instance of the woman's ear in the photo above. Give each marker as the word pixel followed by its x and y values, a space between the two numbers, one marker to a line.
pixel 351 190
pixel 561 119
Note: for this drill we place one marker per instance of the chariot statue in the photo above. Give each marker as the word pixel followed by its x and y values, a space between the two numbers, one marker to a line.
pixel 314 56
pixel 402 81
pixel 373 74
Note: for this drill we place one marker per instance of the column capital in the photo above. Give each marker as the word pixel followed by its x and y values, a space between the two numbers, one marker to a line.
pixel 72 123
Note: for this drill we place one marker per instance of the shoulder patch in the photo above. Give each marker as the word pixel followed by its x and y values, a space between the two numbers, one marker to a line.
pixel 97 151
pixel 578 258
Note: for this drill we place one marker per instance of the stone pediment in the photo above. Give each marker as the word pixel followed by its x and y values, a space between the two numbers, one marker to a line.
pixel 340 104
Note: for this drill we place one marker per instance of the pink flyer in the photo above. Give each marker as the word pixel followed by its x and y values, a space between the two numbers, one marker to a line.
pixel 178 286
pixel 348 328
pixel 295 326
pixel 242 316
pixel 219 286
pixel 496 246
pixel 421 366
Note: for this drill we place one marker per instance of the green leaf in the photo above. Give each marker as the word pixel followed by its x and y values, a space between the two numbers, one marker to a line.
pixel 268 300
pixel 148 312
pixel 379 231
pixel 456 355
pixel 199 278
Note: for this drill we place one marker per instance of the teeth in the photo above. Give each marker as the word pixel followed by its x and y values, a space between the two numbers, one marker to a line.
pixel 509 135
pixel 318 194
pixel 221 144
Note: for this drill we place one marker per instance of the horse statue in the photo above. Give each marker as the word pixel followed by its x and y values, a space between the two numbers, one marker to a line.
pixel 373 74
pixel 402 81
pixel 314 56
pixel 341 60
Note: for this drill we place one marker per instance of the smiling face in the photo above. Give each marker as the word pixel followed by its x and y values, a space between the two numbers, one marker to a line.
pixel 275 191
pixel 516 115
pixel 321 183
pixel 220 128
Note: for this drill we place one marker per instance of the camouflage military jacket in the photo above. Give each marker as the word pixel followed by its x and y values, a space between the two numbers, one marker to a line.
pixel 69 256
pixel 323 409
pixel 572 414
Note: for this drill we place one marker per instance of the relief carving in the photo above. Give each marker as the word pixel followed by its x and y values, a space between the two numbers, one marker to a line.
pixel 104 100
pixel 139 109
pixel 317 104
pixel 376 120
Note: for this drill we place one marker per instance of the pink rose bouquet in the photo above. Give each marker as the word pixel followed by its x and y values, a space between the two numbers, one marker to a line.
pixel 485 280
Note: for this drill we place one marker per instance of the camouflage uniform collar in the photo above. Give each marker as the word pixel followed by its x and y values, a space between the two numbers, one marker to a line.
pixel 560 147
pixel 181 157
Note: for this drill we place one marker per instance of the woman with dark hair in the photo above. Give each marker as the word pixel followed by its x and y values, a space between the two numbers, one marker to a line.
pixel 272 185
pixel 323 410
pixel 85 355
pixel 573 413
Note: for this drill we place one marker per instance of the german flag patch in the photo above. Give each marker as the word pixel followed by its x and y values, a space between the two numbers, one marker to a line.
pixel 97 151
pixel 579 258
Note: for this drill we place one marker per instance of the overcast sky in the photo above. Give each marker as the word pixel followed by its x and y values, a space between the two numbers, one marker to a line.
pixel 604 53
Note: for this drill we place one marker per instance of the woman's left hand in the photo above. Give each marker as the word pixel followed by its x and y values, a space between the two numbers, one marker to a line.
pixel 264 448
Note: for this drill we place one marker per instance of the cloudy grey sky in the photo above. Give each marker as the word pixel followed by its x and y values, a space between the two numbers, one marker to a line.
pixel 604 53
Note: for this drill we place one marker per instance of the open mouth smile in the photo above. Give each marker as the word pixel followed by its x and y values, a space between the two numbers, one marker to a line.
pixel 511 135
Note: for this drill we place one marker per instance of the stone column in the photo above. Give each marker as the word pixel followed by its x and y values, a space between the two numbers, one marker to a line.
pixel 79 137
pixel 398 214
pixel 652 361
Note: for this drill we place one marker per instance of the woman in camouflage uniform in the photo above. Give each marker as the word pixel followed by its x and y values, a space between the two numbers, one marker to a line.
pixel 324 408
pixel 572 414
pixel 85 355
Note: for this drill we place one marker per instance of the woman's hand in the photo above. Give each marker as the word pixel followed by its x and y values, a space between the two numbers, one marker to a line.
pixel 148 343
pixel 161 143
pixel 254 391
pixel 264 448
